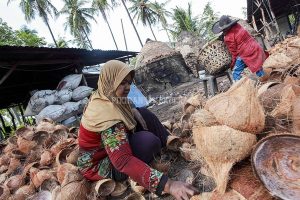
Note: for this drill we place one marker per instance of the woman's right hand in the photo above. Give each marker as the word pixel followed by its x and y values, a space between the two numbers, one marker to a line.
pixel 180 190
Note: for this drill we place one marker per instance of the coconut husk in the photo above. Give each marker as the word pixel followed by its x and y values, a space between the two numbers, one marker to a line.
pixel 246 184
pixel 14 182
pixel 14 163
pixel 265 87
pixel 135 196
pixel 18 154
pixel 39 177
pixel 73 156
pixel 221 147
pixel 105 187
pixel 203 118
pixel 25 132
pixel 45 125
pixel 239 107
pixel 4 159
pixel 11 145
pixel 75 190
pixel 42 195
pixel 288 95
pixel 24 192
pixel 271 98
pixel 296 116
pixel 24 145
pixel 63 170
pixel 193 103
pixel 291 80
pixel 72 176
pixel 167 124
pixel 277 60
pixel 120 189
pixel 46 158
pixel 62 144
pixel 4 192
pixel 275 161
pixel 230 194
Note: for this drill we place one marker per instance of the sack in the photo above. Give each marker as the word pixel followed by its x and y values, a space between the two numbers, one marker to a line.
pixel 81 92
pixel 39 101
pixel 239 107
pixel 53 112
pixel 63 96
pixel 70 82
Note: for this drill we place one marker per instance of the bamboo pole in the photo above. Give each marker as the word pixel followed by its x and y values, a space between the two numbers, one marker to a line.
pixel 274 20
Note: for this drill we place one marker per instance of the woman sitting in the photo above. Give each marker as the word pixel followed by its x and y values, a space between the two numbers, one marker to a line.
pixel 117 141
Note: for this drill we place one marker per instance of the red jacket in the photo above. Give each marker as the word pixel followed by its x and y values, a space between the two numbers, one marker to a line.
pixel 241 43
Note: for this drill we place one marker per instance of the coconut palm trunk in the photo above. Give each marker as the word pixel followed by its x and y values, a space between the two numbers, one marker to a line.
pixel 87 37
pixel 132 22
pixel 151 28
pixel 47 23
pixel 112 35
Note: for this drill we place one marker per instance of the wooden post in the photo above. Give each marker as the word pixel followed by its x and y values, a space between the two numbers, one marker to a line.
pixel 274 20
pixel 12 118
pixel 124 35
pixel 254 23
pixel 22 114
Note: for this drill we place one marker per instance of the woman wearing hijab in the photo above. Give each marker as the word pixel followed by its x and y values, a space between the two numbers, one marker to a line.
pixel 245 50
pixel 116 143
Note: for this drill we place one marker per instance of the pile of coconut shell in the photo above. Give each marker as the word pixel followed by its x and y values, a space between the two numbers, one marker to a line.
pixel 39 162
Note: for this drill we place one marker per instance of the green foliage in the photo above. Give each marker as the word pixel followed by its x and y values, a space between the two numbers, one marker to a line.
pixel 184 21
pixel 22 37
pixel 207 20
pixel 143 11
pixel 61 43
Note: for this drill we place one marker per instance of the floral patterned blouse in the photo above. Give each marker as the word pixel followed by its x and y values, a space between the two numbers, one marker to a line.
pixel 100 151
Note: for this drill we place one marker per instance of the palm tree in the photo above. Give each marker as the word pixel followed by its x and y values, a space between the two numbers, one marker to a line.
pixel 162 14
pixel 103 6
pixel 143 12
pixel 123 2
pixel 61 43
pixel 206 22
pixel 184 21
pixel 77 20
pixel 41 7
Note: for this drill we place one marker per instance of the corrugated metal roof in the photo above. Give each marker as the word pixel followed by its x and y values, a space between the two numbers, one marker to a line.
pixel 43 68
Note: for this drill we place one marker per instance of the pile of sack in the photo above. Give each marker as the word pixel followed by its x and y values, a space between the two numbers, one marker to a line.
pixel 61 104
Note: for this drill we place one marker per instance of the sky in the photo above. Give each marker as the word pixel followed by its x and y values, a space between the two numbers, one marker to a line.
pixel 100 35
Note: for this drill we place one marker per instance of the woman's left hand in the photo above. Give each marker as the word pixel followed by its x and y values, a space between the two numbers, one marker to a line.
pixel 139 118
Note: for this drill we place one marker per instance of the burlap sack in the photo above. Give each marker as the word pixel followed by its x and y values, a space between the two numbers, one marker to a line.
pixel 63 96
pixel 53 112
pixel 296 116
pixel 239 107
pixel 70 82
pixel 277 60
pixel 39 101
pixel 81 92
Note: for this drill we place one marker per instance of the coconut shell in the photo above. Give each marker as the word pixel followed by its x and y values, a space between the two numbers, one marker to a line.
pixel 25 146
pixel 25 132
pixel 18 154
pixel 284 108
pixel 173 143
pixel 4 192
pixel 136 188
pixel 245 183
pixel 72 176
pixel 119 189
pixel 291 80
pixel 62 144
pixel 167 125
pixel 296 116
pixel 3 168
pixel 276 161
pixel 4 159
pixel 239 107
pixel 231 194
pixel 75 190
pixel 105 187
pixel 222 147
pixel 135 196
pixel 265 87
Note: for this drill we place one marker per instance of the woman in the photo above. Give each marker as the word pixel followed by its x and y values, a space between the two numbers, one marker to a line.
pixel 115 143
pixel 245 50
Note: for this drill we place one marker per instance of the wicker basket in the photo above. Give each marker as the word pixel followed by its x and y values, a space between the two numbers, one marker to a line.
pixel 215 57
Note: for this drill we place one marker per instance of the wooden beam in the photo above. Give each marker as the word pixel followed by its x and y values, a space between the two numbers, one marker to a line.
pixel 39 62
pixel 7 74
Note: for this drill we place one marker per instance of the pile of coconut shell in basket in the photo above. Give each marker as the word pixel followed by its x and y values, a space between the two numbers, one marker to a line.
pixel 39 162
pixel 222 131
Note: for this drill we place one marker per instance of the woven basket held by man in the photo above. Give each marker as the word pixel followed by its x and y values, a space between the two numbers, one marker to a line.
pixel 245 50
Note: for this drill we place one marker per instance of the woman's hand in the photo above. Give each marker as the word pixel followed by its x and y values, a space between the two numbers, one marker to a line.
pixel 180 190
pixel 139 118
